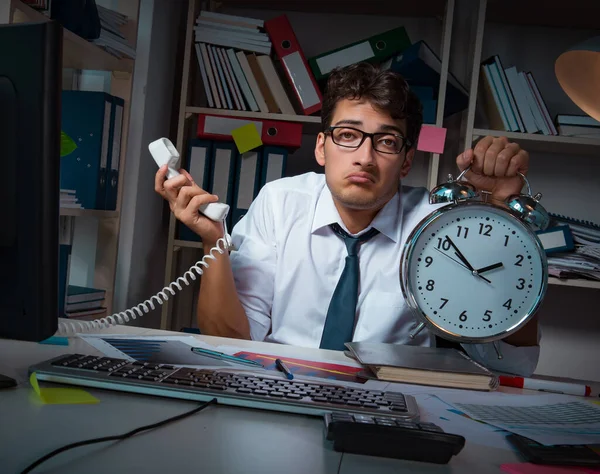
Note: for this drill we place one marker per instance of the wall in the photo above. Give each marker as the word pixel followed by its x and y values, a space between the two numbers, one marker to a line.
pixel 143 231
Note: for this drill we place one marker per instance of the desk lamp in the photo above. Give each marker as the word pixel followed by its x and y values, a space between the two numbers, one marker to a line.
pixel 578 73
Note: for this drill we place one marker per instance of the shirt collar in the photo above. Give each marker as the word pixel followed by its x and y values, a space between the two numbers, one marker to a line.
pixel 387 221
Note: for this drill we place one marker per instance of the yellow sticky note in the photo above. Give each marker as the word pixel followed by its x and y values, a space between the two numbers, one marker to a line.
pixel 597 403
pixel 246 137
pixel 61 396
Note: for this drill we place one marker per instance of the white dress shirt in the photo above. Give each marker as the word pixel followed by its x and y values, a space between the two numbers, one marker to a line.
pixel 288 261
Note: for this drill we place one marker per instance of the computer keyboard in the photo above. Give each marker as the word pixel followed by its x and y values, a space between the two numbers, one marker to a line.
pixel 393 438
pixel 229 388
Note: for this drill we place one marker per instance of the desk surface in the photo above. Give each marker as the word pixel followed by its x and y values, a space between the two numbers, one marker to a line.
pixel 218 439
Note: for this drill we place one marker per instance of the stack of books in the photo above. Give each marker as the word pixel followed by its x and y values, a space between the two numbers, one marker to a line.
pixel 84 303
pixel 582 126
pixel 512 100
pixel 111 39
pixel 68 199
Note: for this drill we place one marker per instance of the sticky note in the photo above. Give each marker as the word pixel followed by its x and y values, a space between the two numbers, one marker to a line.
pixel 61 396
pixel 56 340
pixel 432 139
pixel 246 137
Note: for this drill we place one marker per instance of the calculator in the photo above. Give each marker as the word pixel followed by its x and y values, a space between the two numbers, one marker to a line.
pixel 559 454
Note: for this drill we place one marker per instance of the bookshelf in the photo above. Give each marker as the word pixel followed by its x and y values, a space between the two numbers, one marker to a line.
pixel 78 53
pixel 547 143
pixel 82 55
pixel 193 102
pixel 551 147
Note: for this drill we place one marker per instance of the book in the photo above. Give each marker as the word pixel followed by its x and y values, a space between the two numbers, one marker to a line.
pixel 79 294
pixel 442 367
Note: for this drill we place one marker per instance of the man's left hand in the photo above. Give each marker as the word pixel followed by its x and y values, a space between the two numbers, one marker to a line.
pixel 494 165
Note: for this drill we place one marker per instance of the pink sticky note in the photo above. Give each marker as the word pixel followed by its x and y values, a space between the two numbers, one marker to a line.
pixel 528 468
pixel 432 139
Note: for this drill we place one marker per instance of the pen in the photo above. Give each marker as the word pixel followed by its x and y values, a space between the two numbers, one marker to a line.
pixel 281 366
pixel 223 356
pixel 542 385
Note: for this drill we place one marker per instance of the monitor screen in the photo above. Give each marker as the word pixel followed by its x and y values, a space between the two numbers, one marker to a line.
pixel 30 92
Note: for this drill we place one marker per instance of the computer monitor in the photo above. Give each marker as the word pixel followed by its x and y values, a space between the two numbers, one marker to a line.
pixel 30 92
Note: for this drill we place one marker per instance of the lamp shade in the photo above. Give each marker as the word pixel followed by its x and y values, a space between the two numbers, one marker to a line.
pixel 578 73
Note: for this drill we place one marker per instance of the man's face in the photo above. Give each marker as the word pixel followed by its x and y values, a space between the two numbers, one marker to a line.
pixel 362 178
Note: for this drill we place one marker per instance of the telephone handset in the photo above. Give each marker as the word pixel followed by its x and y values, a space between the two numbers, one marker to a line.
pixel 163 152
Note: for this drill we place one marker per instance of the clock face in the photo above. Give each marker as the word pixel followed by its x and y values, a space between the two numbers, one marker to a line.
pixel 474 271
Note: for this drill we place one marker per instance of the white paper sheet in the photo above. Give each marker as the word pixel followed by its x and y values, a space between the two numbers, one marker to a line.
pixel 547 419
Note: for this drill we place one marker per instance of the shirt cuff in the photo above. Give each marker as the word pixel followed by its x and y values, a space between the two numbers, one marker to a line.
pixel 515 360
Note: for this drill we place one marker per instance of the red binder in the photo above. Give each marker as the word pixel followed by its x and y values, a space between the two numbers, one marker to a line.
pixel 294 63
pixel 272 132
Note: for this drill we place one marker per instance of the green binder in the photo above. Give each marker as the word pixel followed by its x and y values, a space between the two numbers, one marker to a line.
pixel 374 49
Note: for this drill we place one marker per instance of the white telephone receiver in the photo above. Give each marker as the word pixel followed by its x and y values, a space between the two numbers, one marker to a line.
pixel 163 152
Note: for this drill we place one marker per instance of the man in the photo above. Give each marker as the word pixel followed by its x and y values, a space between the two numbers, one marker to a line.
pixel 281 282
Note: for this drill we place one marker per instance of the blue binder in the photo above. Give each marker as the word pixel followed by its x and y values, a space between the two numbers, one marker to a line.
pixel 114 154
pixel 198 165
pixel 64 259
pixel 274 161
pixel 428 101
pixel 419 65
pixel 86 118
pixel 247 183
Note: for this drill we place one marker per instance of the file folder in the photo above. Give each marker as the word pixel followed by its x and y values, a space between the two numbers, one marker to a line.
pixel 86 118
pixel 274 161
pixel 556 239
pixel 373 49
pixel 223 160
pixel 247 183
pixel 114 156
pixel 295 65
pixel 198 165
pixel 420 66
pixel 272 132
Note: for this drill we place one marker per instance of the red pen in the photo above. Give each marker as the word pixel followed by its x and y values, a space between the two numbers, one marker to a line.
pixel 542 385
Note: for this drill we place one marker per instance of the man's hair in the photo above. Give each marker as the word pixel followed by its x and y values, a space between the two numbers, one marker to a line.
pixel 383 89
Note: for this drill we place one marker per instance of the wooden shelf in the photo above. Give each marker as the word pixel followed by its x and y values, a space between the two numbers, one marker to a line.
pixel 575 282
pixel 546 143
pixel 69 211
pixel 428 8
pixel 78 53
pixel 189 244
pixel 309 119
pixel 579 13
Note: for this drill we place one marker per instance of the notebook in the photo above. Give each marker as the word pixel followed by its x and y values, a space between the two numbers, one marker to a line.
pixel 442 367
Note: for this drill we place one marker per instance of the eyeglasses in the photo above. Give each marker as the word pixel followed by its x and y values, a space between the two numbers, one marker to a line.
pixel 349 137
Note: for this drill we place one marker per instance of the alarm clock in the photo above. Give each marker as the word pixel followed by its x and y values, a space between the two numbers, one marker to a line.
pixel 474 271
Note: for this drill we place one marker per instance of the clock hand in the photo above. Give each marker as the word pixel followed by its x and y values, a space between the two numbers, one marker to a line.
pixel 463 265
pixel 490 267
pixel 460 255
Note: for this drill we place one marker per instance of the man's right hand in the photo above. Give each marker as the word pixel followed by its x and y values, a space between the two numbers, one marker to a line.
pixel 185 198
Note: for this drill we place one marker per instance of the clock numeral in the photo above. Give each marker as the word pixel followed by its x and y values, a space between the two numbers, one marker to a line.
pixel 488 315
pixel 444 302
pixel 485 229
pixel 430 285
pixel 506 237
pixel 519 260
pixel 462 231
pixel 428 261
pixel 508 304
pixel 521 284
pixel 443 243
pixel 463 316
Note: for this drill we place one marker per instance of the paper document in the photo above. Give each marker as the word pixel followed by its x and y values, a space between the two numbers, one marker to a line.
pixel 547 419
pixel 173 350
